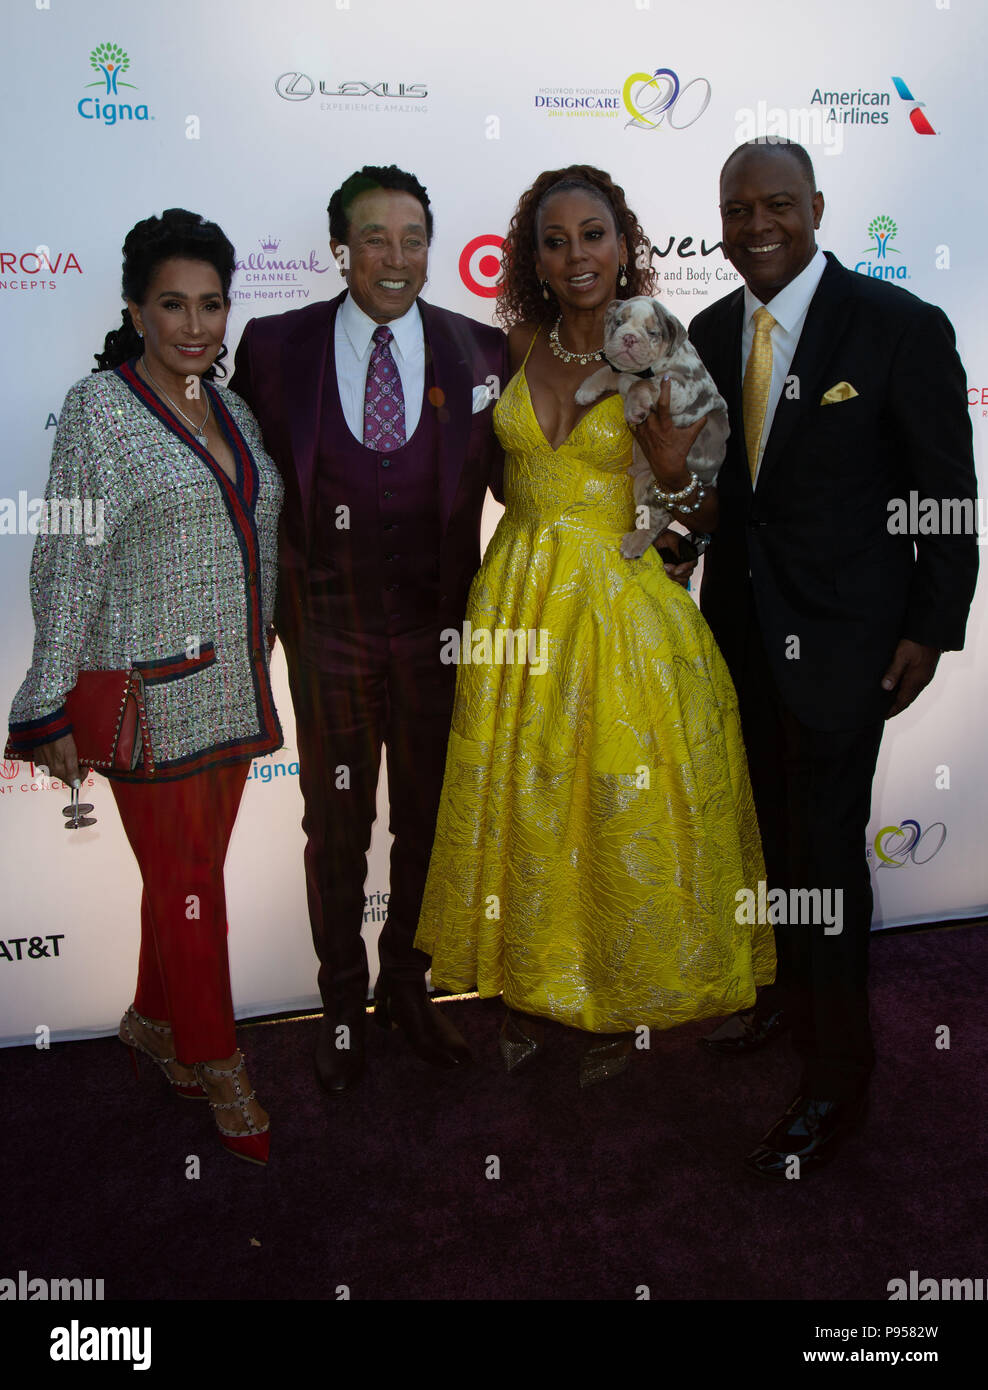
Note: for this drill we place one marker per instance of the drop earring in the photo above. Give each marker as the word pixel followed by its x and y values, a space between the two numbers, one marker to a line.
pixel 622 278
pixel 545 289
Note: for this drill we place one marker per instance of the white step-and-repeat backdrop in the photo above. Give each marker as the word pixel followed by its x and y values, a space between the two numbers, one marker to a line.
pixel 252 114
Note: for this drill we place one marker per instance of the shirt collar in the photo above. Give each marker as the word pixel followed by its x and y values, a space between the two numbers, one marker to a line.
pixel 359 329
pixel 790 304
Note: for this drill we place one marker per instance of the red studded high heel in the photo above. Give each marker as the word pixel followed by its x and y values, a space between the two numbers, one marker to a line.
pixel 183 1085
pixel 253 1141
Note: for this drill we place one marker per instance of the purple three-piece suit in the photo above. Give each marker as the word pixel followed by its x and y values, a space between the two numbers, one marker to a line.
pixel 376 555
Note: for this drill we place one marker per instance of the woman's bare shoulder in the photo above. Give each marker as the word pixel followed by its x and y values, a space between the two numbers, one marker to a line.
pixel 519 341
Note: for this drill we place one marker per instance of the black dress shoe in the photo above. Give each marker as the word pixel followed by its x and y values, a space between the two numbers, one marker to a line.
pixel 404 1004
pixel 811 1130
pixel 746 1032
pixel 340 1055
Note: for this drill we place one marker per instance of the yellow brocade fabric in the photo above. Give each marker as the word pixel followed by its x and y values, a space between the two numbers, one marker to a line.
pixel 597 820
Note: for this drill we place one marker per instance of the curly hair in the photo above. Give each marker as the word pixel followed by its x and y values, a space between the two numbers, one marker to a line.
pixel 520 299
pixel 175 235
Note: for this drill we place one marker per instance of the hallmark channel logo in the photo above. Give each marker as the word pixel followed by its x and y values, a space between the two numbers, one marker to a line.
pixel 277 272
pixel 355 95
pixel 654 99
pixel 883 231
pixel 111 61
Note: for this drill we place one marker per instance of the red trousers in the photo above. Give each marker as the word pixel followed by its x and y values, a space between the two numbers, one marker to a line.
pixel 179 832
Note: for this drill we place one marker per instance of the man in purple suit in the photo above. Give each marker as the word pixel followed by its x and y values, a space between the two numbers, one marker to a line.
pixel 376 408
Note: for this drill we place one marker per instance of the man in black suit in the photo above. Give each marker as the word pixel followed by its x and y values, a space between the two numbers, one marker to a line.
pixel 844 393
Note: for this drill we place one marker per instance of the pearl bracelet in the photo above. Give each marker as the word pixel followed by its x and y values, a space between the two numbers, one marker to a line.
pixel 697 504
pixel 671 499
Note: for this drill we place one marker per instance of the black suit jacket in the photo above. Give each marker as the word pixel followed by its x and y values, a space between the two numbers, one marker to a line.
pixel 814 533
pixel 283 371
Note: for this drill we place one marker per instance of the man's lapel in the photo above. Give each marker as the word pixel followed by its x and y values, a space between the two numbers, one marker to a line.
pixel 822 331
pixel 452 402
pixel 722 359
pixel 307 358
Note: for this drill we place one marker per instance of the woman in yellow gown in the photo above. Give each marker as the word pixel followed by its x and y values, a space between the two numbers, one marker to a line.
pixel 596 821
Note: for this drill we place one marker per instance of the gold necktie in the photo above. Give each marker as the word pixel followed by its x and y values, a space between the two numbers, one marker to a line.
pixel 755 389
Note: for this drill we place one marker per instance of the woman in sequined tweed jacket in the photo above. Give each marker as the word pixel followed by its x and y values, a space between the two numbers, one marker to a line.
pixel 177 578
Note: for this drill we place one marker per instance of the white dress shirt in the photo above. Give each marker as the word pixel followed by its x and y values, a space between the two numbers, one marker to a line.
pixel 789 309
pixel 354 333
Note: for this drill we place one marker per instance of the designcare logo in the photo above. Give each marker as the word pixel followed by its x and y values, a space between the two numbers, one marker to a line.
pixel 596 102
pixel 654 99
pixel 111 62
pixel 883 230
pixel 896 846
pixel 480 265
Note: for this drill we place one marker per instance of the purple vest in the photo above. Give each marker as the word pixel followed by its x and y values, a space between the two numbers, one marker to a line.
pixel 380 573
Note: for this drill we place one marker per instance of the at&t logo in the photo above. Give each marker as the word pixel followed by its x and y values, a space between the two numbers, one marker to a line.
pixel 654 97
pixel 908 843
pixel 110 60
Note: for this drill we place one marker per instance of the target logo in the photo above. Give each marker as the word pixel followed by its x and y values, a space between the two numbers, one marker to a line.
pixel 480 265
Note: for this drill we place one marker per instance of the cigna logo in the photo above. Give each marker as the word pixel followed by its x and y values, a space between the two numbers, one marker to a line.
pixel 919 122
pixel 898 845
pixel 111 62
pixel 883 231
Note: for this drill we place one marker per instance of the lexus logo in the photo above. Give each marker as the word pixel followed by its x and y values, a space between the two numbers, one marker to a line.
pixel 294 86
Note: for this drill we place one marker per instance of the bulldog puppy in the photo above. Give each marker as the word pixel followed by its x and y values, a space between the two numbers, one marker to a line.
pixel 643 342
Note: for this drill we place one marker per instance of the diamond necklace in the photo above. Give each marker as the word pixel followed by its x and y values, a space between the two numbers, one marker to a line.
pixel 584 358
pixel 198 430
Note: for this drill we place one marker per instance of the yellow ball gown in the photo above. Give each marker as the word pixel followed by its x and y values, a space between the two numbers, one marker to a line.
pixel 596 821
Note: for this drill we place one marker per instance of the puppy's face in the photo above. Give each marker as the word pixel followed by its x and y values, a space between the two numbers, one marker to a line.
pixel 640 333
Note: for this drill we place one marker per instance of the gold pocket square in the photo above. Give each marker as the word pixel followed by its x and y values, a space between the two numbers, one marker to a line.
pixel 843 391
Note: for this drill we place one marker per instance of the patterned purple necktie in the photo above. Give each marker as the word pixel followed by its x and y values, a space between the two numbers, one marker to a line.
pixel 384 401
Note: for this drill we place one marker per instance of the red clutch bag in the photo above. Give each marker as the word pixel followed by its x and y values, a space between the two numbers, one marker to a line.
pixel 109 721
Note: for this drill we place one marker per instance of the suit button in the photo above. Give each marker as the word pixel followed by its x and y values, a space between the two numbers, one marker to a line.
pixel 385 463
pixel 252 577
pixel 391 557
pixel 387 493
pixel 255 654
pixel 392 588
